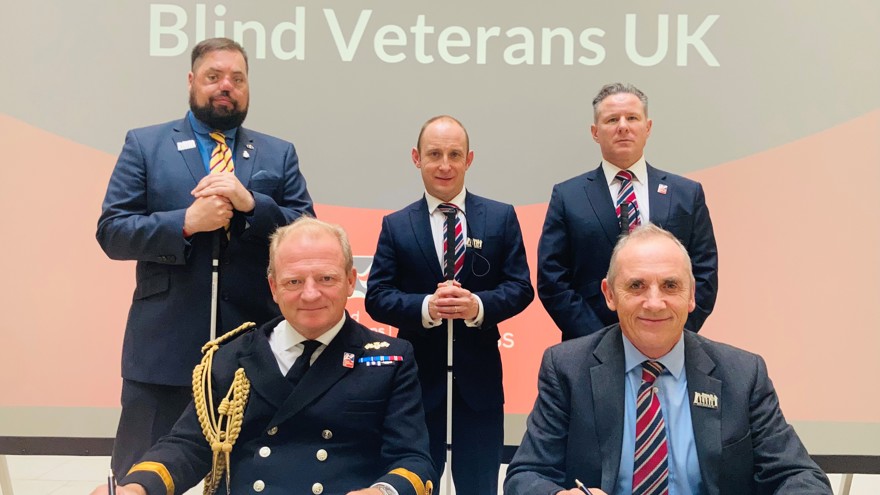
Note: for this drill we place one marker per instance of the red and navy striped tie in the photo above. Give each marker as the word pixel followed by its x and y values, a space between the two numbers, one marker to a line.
pixel 627 195
pixel 650 468
pixel 459 239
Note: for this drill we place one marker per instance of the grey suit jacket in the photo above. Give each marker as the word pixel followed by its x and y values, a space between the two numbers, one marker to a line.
pixel 576 427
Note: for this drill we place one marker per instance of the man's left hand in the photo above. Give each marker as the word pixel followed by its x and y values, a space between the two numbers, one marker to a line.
pixel 226 184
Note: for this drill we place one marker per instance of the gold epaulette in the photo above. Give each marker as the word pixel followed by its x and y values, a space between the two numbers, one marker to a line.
pixel 221 437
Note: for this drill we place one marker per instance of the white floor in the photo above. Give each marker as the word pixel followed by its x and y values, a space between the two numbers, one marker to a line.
pixel 65 475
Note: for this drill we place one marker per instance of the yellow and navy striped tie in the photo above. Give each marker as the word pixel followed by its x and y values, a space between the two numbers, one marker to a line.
pixel 221 157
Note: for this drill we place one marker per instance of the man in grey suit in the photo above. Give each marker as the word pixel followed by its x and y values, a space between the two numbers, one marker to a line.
pixel 182 194
pixel 644 407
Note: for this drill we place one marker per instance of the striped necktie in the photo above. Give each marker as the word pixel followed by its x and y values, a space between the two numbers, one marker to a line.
pixel 627 195
pixel 221 157
pixel 650 466
pixel 459 239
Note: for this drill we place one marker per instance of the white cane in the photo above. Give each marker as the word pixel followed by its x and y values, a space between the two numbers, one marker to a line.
pixel 450 276
pixel 215 278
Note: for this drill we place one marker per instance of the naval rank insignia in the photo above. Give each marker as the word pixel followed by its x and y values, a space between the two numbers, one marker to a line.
pixel 376 345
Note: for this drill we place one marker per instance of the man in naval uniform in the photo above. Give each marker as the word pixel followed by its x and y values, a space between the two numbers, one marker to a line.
pixel 311 402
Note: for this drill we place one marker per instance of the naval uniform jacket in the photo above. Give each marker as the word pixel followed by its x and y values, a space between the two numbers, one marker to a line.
pixel 343 428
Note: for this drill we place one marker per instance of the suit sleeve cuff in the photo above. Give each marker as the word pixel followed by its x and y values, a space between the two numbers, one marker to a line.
pixel 153 476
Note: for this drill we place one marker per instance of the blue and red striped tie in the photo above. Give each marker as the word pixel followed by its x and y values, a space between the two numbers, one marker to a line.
pixel 650 467
pixel 627 195
pixel 459 239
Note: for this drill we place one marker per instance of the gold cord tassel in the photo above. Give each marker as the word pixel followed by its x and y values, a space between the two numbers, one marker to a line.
pixel 230 411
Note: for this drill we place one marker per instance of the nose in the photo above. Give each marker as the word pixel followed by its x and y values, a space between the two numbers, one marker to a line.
pixel 654 299
pixel 310 290
pixel 226 84
pixel 622 125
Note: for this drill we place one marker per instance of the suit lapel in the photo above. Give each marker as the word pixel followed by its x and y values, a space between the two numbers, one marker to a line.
pixel 183 132
pixel 244 166
pixel 421 224
pixel 476 229
pixel 324 372
pixel 706 421
pixel 607 381
pixel 599 197
pixel 265 377
pixel 658 203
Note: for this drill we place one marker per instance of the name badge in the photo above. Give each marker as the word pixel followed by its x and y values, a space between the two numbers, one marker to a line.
pixel 186 145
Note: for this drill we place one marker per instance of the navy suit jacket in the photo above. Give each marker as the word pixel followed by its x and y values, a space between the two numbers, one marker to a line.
pixel 142 219
pixel 581 229
pixel 368 420
pixel 406 269
pixel 575 430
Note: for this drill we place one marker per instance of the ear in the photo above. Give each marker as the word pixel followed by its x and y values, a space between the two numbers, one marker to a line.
pixel 273 287
pixel 416 158
pixel 609 295
pixel 352 280
pixel 692 304
pixel 650 123
pixel 470 158
pixel 189 81
pixel 594 130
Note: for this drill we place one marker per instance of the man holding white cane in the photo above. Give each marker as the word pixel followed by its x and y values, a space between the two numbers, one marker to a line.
pixel 408 289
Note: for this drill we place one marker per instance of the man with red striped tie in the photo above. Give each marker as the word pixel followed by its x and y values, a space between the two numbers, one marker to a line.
pixel 588 212
pixel 407 289
pixel 636 408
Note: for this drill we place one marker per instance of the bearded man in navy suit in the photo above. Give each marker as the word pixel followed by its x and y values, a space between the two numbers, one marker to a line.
pixel 406 289
pixel 170 208
pixel 583 219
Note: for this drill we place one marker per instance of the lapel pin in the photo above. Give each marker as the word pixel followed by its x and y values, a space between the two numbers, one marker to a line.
pixel 474 243
pixel 662 188
pixel 702 399
pixel 186 145
pixel 249 146
pixel 376 345
pixel 245 154
pixel 348 360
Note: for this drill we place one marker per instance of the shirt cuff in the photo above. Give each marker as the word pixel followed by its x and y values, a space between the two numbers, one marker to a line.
pixel 427 322
pixel 388 488
pixel 478 320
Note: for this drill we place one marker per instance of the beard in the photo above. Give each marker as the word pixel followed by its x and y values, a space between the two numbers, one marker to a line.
pixel 219 118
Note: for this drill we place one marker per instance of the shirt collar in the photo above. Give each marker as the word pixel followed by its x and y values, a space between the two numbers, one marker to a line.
pixel 639 170
pixel 288 337
pixel 672 360
pixel 433 202
pixel 203 130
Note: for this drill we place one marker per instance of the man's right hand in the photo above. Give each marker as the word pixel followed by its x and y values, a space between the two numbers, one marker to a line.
pixel 577 491
pixel 207 214
pixel 129 489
